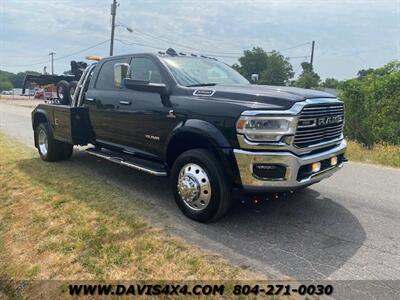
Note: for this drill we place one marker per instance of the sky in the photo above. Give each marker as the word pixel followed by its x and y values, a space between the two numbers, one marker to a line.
pixel 348 35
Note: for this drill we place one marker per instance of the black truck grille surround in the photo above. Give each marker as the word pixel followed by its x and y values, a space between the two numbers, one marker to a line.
pixel 319 124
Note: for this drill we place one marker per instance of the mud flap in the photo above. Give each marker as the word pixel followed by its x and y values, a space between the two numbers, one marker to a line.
pixel 81 127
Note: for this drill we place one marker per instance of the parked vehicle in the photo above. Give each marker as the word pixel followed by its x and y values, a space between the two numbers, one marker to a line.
pixel 46 93
pixel 200 122
pixel 39 94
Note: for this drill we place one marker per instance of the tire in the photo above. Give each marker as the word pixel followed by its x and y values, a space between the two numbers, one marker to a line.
pixel 72 88
pixel 63 92
pixel 198 176
pixel 49 148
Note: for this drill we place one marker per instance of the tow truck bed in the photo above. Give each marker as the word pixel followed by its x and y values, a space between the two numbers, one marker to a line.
pixel 69 124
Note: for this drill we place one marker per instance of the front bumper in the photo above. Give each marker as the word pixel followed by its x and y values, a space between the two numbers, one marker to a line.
pixel 293 164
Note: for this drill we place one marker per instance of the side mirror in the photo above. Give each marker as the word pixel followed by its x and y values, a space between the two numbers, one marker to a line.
pixel 120 73
pixel 254 77
pixel 145 86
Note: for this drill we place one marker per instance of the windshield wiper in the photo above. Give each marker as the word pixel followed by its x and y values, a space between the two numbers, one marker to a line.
pixel 202 84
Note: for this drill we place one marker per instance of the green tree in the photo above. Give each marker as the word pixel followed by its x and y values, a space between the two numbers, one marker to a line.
pixel 273 67
pixel 5 85
pixel 331 83
pixel 393 66
pixel 15 79
pixel 18 79
pixel 372 106
pixel 308 78
pixel 252 62
pixel 363 73
pixel 278 70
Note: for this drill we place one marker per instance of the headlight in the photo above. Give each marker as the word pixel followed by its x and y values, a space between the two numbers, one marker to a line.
pixel 257 128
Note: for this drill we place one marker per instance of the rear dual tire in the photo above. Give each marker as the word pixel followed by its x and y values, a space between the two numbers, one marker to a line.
pixel 200 187
pixel 49 148
pixel 65 91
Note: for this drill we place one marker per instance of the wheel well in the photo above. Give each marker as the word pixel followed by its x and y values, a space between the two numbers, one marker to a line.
pixel 188 140
pixel 39 118
pixel 185 142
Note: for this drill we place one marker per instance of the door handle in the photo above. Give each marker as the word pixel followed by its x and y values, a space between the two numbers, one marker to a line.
pixel 90 99
pixel 122 102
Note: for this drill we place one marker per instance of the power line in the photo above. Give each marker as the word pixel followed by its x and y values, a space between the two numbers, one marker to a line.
pixel 179 44
pixel 138 44
pixel 297 46
pixel 211 53
pixel 202 51
pixel 294 57
pixel 28 65
pixel 83 50
pixel 159 48
pixel 153 36
pixel 205 52
pixel 58 58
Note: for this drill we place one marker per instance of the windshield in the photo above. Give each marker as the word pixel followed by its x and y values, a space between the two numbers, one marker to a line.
pixel 195 71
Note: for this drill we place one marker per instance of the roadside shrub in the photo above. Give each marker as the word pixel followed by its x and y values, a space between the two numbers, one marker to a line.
pixel 373 106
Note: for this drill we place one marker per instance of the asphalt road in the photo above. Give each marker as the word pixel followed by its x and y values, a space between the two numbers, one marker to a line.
pixel 344 228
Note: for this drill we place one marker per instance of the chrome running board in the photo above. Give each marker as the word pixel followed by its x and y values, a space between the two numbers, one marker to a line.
pixel 139 164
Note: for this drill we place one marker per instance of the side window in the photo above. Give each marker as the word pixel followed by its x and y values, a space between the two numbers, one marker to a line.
pixel 145 69
pixel 105 80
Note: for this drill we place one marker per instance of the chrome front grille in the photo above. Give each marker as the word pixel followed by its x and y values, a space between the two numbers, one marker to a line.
pixel 319 123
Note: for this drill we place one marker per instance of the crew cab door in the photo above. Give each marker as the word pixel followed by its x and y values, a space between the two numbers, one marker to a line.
pixel 102 99
pixel 148 120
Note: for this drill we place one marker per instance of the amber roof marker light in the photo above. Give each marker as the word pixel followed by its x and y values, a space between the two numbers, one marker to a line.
pixel 93 57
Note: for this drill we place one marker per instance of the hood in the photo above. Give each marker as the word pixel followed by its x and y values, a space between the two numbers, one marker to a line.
pixel 260 96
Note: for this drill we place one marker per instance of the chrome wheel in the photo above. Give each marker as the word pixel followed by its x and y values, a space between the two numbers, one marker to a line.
pixel 194 187
pixel 43 142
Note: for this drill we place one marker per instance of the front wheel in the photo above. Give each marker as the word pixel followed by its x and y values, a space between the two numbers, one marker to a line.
pixel 200 187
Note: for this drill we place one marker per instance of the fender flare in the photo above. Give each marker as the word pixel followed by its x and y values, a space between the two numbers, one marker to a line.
pixel 38 113
pixel 202 128
pixel 214 137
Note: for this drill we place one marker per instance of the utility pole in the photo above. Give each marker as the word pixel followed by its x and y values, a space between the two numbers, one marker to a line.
pixel 312 53
pixel 52 62
pixel 113 13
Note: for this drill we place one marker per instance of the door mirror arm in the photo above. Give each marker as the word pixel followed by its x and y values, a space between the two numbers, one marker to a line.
pixel 146 86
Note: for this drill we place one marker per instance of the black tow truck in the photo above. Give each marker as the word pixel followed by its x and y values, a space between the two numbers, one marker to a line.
pixel 200 122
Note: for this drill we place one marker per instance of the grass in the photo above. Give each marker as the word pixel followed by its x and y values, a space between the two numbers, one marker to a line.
pixel 58 223
pixel 387 155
